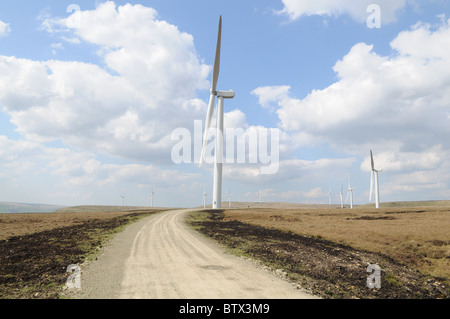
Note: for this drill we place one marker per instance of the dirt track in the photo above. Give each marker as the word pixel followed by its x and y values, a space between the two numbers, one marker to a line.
pixel 161 257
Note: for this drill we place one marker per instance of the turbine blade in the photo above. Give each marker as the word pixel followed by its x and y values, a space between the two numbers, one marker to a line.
pixel 215 77
pixel 209 116
pixel 216 68
pixel 371 160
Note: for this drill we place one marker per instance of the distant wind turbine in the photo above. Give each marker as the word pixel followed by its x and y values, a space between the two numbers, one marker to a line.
pixel 229 199
pixel 350 193
pixel 123 198
pixel 221 95
pixel 341 195
pixel 329 196
pixel 374 179
pixel 204 197
pixel 259 195
pixel 151 194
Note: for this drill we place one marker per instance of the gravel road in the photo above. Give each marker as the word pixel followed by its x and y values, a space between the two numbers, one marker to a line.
pixel 160 257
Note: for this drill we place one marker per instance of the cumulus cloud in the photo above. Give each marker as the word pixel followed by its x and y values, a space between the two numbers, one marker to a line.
pixel 356 9
pixel 289 170
pixel 19 158
pixel 403 162
pixel 400 99
pixel 5 29
pixel 128 107
pixel 397 105
pixel 311 195
pixel 267 95
pixel 76 176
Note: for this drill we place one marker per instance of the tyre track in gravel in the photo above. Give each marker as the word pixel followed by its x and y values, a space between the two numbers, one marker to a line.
pixel 161 257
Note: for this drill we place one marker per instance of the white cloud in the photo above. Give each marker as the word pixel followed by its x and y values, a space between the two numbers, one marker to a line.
pixel 394 161
pixel 19 158
pixel 398 101
pixel 75 177
pixel 313 194
pixel 267 95
pixel 235 119
pixel 289 170
pixel 397 105
pixel 425 174
pixel 356 9
pixel 5 29
pixel 128 108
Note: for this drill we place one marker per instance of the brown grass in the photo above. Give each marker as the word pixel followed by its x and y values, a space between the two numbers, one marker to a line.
pixel 416 236
pixel 35 249
pixel 30 223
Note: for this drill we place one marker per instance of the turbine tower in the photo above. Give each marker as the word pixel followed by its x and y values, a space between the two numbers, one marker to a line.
pixel 151 194
pixel 204 197
pixel 123 198
pixel 374 179
pixel 229 199
pixel 221 95
pixel 329 196
pixel 259 195
pixel 350 192
pixel 341 195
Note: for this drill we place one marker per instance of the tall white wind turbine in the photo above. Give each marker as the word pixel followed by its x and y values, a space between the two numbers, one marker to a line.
pixel 350 193
pixel 341 194
pixel 374 179
pixel 221 95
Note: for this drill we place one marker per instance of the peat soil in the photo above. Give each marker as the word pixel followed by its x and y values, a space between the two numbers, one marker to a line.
pixel 324 268
pixel 34 266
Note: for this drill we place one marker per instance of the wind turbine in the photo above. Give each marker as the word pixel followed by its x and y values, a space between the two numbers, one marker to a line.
pixel 221 95
pixel 341 195
pixel 329 196
pixel 229 199
pixel 259 195
pixel 204 197
pixel 123 198
pixel 151 194
pixel 374 179
pixel 350 192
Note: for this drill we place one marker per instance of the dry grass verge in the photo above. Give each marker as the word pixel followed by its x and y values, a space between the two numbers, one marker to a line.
pixel 36 249
pixel 323 266
pixel 416 236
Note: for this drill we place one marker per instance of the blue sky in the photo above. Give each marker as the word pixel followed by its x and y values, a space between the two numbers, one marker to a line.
pixel 90 93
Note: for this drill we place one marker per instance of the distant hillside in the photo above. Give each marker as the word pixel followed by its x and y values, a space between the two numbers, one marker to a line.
pixel 11 208
pixel 101 209
pixel 432 203
pixel 276 205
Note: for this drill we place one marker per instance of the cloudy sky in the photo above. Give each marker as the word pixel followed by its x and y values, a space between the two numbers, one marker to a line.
pixel 92 92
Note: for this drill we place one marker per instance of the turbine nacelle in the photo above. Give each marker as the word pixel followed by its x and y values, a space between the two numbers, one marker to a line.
pixel 225 94
pixel 374 182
